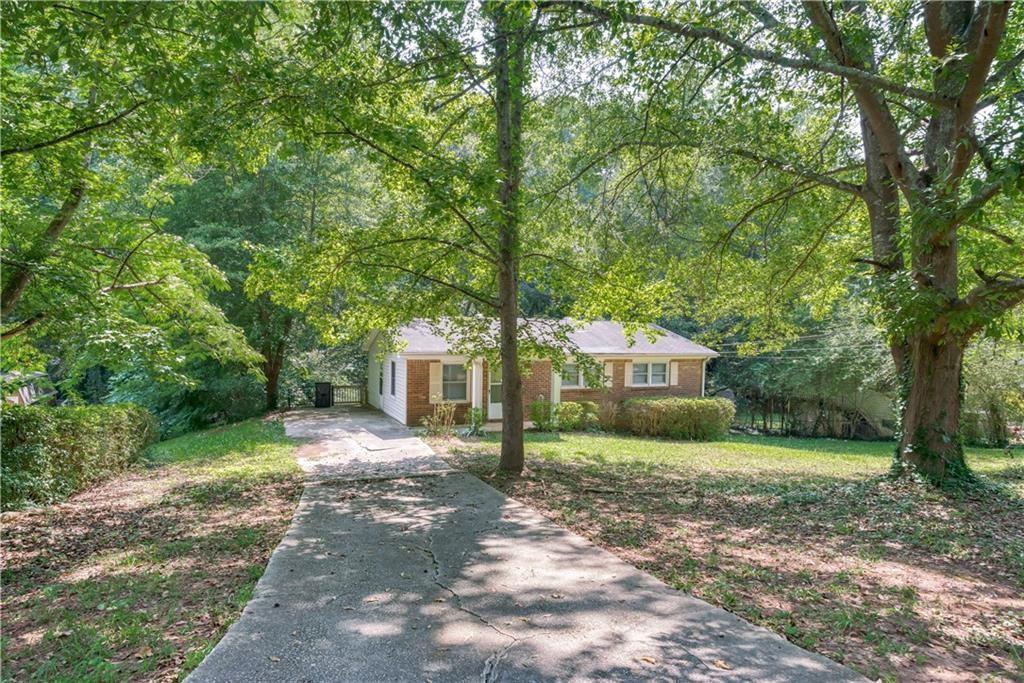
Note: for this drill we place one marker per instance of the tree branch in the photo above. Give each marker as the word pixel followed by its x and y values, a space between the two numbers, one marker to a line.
pixel 444 283
pixel 22 326
pixel 803 64
pixel 73 134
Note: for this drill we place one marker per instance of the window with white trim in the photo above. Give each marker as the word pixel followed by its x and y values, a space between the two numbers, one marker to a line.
pixel 392 378
pixel 453 382
pixel 650 374
pixel 571 375
pixel 380 381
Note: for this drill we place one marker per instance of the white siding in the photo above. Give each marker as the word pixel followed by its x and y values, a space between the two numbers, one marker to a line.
pixel 372 370
pixel 394 405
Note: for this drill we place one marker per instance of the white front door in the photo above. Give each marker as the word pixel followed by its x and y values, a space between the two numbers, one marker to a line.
pixel 494 392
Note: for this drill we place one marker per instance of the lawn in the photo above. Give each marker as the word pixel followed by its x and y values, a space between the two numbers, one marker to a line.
pixel 806 537
pixel 137 578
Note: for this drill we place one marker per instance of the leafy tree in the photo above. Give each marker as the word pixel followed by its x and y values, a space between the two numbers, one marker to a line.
pixel 102 104
pixel 230 214
pixel 909 111
pixel 452 231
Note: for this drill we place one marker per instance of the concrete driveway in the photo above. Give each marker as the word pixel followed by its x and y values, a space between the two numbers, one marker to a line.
pixel 396 568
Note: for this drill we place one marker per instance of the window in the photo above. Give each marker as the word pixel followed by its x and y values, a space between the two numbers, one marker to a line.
pixel 659 373
pixel 380 381
pixel 640 373
pixel 453 382
pixel 392 378
pixel 570 375
pixel 645 374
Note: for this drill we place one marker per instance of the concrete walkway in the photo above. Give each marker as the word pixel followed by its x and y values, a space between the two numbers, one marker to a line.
pixel 438 577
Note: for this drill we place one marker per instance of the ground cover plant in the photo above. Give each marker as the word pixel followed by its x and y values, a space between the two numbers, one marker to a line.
pixel 806 537
pixel 137 578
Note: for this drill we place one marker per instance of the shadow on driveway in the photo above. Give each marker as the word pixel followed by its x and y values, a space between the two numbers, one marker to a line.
pixel 442 578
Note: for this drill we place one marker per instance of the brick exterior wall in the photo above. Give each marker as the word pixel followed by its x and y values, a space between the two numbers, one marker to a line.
pixel 537 384
pixel 417 395
pixel 689 384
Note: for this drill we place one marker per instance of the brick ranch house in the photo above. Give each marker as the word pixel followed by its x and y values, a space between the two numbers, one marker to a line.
pixel 406 384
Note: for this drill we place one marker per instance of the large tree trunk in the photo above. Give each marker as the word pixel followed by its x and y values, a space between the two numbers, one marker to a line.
pixel 509 71
pixel 930 440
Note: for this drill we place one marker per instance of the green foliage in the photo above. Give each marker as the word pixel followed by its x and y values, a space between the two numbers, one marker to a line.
pixel 220 393
pixel 578 415
pixel 544 415
pixel 475 426
pixel 994 394
pixel 697 419
pixel 106 106
pixel 50 453
pixel 569 416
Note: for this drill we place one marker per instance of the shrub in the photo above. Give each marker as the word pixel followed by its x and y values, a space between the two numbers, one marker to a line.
pixel 50 453
pixel 475 424
pixel 570 416
pixel 608 416
pixel 699 419
pixel 591 419
pixel 543 415
pixel 442 421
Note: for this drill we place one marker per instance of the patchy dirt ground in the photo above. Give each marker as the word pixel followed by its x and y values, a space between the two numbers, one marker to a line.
pixel 891 578
pixel 137 578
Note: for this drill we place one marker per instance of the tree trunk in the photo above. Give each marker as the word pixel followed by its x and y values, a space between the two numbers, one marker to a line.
pixel 273 354
pixel 21 276
pixel 509 71
pixel 930 440
pixel 273 373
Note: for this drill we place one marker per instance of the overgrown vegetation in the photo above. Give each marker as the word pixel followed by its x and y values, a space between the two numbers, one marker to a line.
pixel 807 537
pixel 50 453
pixel 138 577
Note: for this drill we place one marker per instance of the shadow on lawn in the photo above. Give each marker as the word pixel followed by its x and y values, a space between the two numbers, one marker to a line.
pixel 125 578
pixel 836 565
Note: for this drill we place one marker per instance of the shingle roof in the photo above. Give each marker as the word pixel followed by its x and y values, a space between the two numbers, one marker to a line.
pixel 601 337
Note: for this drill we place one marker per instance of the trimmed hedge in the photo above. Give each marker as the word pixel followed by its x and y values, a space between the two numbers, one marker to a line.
pixel 50 453
pixel 697 419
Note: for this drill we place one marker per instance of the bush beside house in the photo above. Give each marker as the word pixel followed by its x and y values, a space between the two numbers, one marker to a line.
pixel 697 419
pixel 50 453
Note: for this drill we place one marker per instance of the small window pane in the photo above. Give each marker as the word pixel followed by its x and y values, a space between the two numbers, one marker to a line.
pixel 658 373
pixel 453 382
pixel 570 376
pixel 392 378
pixel 639 373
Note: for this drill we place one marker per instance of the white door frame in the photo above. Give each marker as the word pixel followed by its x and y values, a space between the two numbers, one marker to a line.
pixel 493 409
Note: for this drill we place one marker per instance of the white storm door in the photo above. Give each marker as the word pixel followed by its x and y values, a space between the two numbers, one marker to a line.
pixel 494 392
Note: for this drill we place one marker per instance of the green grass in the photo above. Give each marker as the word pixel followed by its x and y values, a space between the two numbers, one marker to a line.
pixel 758 458
pixel 140 576
pixel 807 537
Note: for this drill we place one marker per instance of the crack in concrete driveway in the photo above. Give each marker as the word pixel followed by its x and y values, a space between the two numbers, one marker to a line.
pixel 397 568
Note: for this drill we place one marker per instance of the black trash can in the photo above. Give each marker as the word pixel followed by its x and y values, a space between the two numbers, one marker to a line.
pixel 322 395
